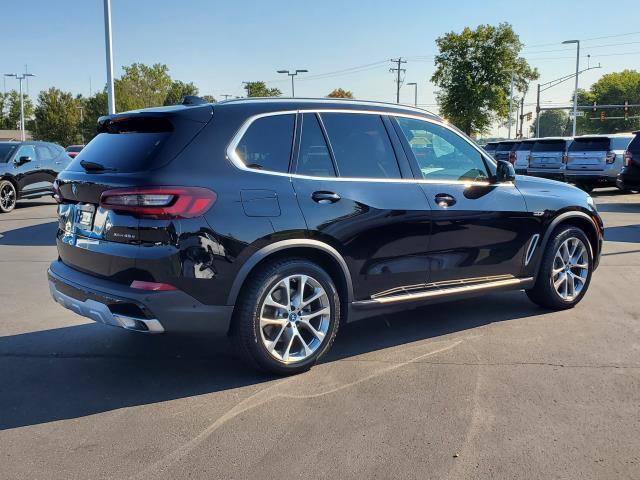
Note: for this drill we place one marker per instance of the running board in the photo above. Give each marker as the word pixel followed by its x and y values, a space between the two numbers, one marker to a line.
pixel 437 291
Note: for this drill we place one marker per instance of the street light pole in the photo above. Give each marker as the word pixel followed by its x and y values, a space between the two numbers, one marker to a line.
pixel 575 93
pixel 415 93
pixel 293 74
pixel 111 100
pixel 510 103
pixel 81 122
pixel 20 78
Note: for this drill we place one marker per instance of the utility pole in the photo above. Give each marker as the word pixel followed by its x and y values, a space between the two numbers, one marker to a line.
pixel 226 96
pixel 415 93
pixel 510 103
pixel 20 78
pixel 399 71
pixel 81 121
pixel 522 114
pixel 538 113
pixel 575 94
pixel 111 99
pixel 293 74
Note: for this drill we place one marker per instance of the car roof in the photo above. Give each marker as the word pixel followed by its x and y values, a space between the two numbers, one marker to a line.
pixel 604 135
pixel 542 139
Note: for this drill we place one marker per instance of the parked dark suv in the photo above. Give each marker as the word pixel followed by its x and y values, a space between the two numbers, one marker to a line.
pixel 276 220
pixel 27 170
pixel 629 177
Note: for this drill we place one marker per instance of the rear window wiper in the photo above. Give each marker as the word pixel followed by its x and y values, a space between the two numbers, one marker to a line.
pixel 95 167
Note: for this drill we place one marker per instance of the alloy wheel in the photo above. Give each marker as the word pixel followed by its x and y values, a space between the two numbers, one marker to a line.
pixel 570 269
pixel 7 197
pixel 294 318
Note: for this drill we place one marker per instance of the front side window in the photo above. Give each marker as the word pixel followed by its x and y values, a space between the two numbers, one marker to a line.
pixel 266 145
pixel 44 153
pixel 6 149
pixel 441 153
pixel 26 151
pixel 314 158
pixel 361 145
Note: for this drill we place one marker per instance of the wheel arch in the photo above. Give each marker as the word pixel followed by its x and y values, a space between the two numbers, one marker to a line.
pixel 577 219
pixel 11 179
pixel 323 254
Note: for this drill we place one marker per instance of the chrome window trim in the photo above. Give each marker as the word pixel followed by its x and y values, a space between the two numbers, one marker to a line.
pixel 236 161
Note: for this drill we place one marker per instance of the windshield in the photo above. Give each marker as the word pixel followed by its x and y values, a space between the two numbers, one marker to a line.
pixel 590 145
pixel 6 150
pixel 74 148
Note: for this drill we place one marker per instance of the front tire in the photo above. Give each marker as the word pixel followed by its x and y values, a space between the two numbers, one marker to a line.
pixel 8 196
pixel 287 317
pixel 565 270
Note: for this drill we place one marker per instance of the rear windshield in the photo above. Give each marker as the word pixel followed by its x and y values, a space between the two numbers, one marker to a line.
pixel 549 146
pixel 74 148
pixel 634 146
pixel 620 143
pixel 590 145
pixel 525 146
pixel 505 147
pixel 490 146
pixel 6 150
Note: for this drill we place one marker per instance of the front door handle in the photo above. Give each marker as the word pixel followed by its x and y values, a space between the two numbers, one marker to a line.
pixel 325 197
pixel 445 200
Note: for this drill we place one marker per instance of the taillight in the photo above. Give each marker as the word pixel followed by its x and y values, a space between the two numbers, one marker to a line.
pixel 159 202
pixel 152 286
pixel 512 157
pixel 565 158
pixel 529 157
pixel 628 158
pixel 57 194
pixel 611 157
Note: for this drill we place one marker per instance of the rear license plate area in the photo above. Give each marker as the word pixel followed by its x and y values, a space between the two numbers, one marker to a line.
pixel 84 216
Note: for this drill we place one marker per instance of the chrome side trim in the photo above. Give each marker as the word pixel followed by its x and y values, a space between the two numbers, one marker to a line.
pixel 235 159
pixel 533 243
pixel 443 292
pixel 99 312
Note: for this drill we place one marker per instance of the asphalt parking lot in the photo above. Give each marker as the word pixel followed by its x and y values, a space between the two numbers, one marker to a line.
pixel 492 387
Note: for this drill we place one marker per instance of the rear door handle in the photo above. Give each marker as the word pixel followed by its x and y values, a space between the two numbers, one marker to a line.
pixel 325 197
pixel 445 200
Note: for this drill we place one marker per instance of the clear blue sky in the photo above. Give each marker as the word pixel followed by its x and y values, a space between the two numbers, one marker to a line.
pixel 218 45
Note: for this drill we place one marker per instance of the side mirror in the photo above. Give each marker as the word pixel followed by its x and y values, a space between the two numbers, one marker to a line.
pixel 505 172
pixel 23 160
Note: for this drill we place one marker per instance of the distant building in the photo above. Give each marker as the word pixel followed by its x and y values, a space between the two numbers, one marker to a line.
pixel 6 135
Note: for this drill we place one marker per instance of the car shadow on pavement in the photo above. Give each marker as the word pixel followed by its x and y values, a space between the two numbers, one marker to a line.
pixel 40 235
pixel 76 371
pixel 624 233
pixel 619 207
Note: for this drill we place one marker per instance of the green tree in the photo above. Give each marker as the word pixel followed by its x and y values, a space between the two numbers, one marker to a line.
pixel 178 90
pixel 473 74
pixel 553 123
pixel 340 93
pixel 260 89
pixel 57 117
pixel 10 110
pixel 611 89
pixel 209 98
pixel 94 107
pixel 142 86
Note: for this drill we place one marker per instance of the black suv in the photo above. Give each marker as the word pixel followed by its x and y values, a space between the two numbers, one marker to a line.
pixel 276 220
pixel 629 176
pixel 27 170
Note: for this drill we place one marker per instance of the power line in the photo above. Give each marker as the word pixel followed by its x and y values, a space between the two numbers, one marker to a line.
pixel 399 71
pixel 584 39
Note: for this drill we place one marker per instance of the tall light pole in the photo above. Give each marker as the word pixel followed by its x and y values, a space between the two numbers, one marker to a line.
pixel 415 93
pixel 510 103
pixel 575 94
pixel 111 99
pixel 20 78
pixel 81 122
pixel 293 74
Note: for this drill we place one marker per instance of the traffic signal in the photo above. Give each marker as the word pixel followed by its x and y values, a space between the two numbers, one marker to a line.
pixel 529 116
pixel 602 116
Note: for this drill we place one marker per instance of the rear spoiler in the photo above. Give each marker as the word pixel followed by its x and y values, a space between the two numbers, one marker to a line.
pixel 151 120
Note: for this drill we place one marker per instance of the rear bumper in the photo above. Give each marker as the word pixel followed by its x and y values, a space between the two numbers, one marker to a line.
pixel 601 177
pixel 117 305
pixel 554 174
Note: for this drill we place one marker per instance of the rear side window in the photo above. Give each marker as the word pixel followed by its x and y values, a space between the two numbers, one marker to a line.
pixel 620 143
pixel 314 158
pixel 361 145
pixel 590 145
pixel 549 146
pixel 45 153
pixel 266 145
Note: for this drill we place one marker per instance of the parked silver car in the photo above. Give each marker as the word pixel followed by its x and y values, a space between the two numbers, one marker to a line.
pixel 520 155
pixel 596 160
pixel 548 157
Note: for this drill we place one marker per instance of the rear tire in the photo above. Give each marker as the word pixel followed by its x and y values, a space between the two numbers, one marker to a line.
pixel 287 316
pixel 565 270
pixel 8 196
